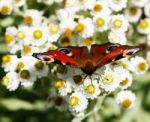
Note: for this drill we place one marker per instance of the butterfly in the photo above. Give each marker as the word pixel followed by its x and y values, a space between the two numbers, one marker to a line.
pixel 88 60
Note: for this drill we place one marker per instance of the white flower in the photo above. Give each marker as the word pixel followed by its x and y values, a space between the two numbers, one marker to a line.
pixel 147 9
pixel 47 47
pixel 101 22
pixel 71 6
pixel 10 80
pixel 24 62
pixel 27 77
pixel 148 40
pixel 91 89
pixel 39 35
pixel 126 99
pixel 85 27
pixel 78 114
pixel 9 37
pixel 109 80
pixel 6 7
pixel 8 62
pixel 100 7
pixel 53 32
pixel 27 72
pixel 119 23
pixel 64 87
pixel 117 5
pixel 70 75
pixel 138 65
pixel 133 14
pixel 148 57
pixel 67 24
pixel 144 26
pixel 64 14
pixel 125 77
pixel 14 48
pixel 139 3
pixel 117 38
pixel 32 17
pixel 125 63
pixel 74 76
pixel 41 69
pixel 85 4
pixel 19 3
pixel 23 35
pixel 77 102
pixel 27 50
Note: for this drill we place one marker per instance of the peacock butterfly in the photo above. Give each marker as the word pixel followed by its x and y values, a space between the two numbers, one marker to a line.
pixel 88 60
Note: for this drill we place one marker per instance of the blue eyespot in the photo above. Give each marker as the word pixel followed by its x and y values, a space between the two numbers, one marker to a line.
pixel 64 50
pixel 112 47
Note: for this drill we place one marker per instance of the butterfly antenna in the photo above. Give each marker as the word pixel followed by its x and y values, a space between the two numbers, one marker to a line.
pixel 98 75
pixel 85 77
pixel 91 79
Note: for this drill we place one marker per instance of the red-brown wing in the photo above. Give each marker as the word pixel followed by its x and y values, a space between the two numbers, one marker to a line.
pixel 109 52
pixel 72 56
pixel 80 55
pixel 97 52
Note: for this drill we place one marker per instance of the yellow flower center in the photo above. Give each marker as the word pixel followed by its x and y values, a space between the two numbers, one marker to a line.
pixel 39 65
pixel 20 66
pixel 133 11
pixel 59 84
pixel 28 20
pixel 126 103
pixel 100 22
pixel 81 1
pixel 73 101
pixel 27 49
pixel 80 27
pixel 8 38
pixel 17 1
pixel 21 35
pixel 117 23
pixel 77 79
pixel 90 89
pixel 52 48
pixel 61 69
pixel 6 81
pixel 65 42
pixel 108 79
pixel 144 24
pixel 124 65
pixel 98 7
pixel 142 66
pixel 53 29
pixel 6 59
pixel 124 82
pixel 37 34
pixel 68 32
pixel 88 42
pixel 25 74
pixel 5 10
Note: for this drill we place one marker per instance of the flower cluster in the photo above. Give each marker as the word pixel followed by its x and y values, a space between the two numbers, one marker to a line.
pixel 82 23
pixel 7 6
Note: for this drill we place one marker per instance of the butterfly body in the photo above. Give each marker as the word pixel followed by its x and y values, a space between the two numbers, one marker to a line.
pixel 88 60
